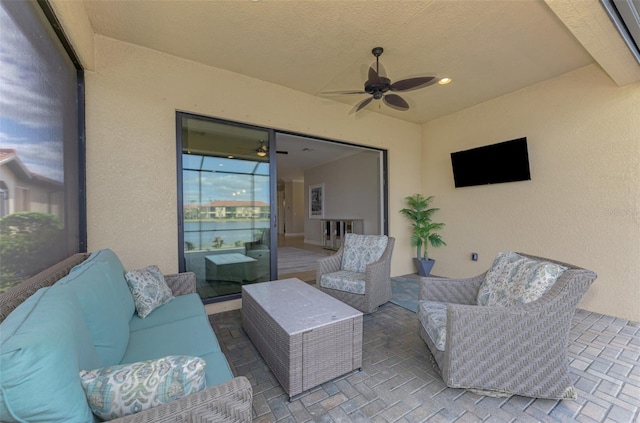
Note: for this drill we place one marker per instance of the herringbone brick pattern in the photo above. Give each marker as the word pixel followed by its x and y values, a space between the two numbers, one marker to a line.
pixel 398 384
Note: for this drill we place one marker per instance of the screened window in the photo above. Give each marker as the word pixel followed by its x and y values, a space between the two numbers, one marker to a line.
pixel 41 165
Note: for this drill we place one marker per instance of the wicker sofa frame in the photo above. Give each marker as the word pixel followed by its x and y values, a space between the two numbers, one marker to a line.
pixel 502 351
pixel 377 289
pixel 228 402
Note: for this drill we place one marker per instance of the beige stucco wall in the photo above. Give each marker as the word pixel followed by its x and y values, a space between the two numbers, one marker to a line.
pixel 582 205
pixel 131 100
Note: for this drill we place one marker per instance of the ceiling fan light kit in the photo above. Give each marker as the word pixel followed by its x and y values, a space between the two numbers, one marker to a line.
pixel 262 150
pixel 379 86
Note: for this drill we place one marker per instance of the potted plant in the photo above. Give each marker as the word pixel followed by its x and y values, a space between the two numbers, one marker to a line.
pixel 424 230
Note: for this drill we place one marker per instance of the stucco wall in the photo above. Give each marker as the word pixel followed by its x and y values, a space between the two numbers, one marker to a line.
pixel 131 100
pixel 582 205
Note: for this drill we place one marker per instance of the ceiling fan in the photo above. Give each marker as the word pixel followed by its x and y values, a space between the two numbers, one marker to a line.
pixel 379 86
pixel 262 150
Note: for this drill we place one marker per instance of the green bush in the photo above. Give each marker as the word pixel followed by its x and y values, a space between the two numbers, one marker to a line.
pixel 25 238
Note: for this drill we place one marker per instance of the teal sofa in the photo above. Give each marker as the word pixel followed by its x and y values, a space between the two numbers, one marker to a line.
pixel 80 315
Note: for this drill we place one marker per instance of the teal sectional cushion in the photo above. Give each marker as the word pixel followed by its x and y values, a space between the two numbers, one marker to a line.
pixel 182 307
pixel 116 272
pixel 191 336
pixel 126 389
pixel 217 370
pixel 45 343
pixel 97 289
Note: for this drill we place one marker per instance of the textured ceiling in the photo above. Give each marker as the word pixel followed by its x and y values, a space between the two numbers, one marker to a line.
pixel 488 48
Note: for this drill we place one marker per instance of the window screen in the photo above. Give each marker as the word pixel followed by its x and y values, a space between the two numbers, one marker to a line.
pixel 41 159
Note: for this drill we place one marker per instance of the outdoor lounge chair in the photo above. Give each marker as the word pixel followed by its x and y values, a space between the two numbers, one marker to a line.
pixel 516 341
pixel 359 274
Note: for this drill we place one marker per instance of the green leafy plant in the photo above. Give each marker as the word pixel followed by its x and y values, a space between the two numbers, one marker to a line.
pixel 26 237
pixel 424 230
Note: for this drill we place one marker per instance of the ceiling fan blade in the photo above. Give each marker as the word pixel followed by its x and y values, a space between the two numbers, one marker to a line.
pixel 374 78
pixel 395 101
pixel 413 83
pixel 361 105
pixel 343 92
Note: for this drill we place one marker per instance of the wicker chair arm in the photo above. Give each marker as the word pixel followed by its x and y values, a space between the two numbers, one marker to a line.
pixel 329 264
pixel 377 273
pixel 457 291
pixel 227 402
pixel 513 337
pixel 181 283
pixel 377 276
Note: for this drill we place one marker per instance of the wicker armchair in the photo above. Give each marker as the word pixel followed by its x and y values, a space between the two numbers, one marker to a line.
pixel 501 351
pixel 374 282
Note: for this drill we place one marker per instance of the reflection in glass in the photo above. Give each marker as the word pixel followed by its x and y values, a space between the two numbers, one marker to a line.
pixel 225 206
pixel 39 211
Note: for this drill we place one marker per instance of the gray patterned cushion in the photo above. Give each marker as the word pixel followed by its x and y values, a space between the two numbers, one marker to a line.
pixel 344 280
pixel 149 289
pixel 433 318
pixel 361 250
pixel 118 391
pixel 514 279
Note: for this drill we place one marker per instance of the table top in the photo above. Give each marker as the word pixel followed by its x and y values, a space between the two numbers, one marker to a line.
pixel 229 258
pixel 297 306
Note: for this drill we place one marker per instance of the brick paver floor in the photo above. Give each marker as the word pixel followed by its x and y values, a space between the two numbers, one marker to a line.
pixel 397 382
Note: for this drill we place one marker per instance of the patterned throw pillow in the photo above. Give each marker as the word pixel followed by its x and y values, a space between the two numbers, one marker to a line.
pixel 361 250
pixel 149 289
pixel 118 391
pixel 514 279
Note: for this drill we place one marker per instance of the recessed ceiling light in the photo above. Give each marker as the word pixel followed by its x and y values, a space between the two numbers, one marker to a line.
pixel 229 157
pixel 444 81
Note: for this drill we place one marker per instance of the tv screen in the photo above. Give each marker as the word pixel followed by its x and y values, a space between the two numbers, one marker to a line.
pixel 492 164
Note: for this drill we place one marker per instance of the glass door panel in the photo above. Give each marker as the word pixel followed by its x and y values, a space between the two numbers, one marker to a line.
pixel 226 201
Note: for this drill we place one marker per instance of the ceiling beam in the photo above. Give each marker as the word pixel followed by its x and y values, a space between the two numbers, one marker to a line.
pixel 590 24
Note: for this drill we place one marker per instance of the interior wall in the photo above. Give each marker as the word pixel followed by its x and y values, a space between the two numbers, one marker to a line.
pixel 294 214
pixel 582 205
pixel 351 191
pixel 131 101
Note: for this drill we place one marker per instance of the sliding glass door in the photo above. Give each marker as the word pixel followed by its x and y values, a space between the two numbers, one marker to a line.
pixel 225 189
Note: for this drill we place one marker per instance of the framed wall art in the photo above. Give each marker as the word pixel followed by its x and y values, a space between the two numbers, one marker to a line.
pixel 316 201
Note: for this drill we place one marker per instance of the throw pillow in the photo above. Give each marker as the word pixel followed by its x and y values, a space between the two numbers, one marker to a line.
pixel 125 389
pixel 514 279
pixel 149 289
pixel 362 250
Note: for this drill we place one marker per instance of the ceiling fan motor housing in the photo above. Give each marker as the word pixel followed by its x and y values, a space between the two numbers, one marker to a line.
pixel 379 88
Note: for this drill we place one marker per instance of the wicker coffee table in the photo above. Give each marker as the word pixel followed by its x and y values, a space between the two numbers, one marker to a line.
pixel 305 336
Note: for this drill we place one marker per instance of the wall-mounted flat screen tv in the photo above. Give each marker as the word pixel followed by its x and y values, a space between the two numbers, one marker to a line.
pixel 492 164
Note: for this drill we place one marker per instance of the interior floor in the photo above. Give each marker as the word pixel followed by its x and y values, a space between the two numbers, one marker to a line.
pixel 298 242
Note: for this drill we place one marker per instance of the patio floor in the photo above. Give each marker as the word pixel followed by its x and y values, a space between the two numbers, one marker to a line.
pixel 398 384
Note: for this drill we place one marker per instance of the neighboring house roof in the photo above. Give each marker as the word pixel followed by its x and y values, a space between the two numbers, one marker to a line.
pixel 9 157
pixel 232 203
